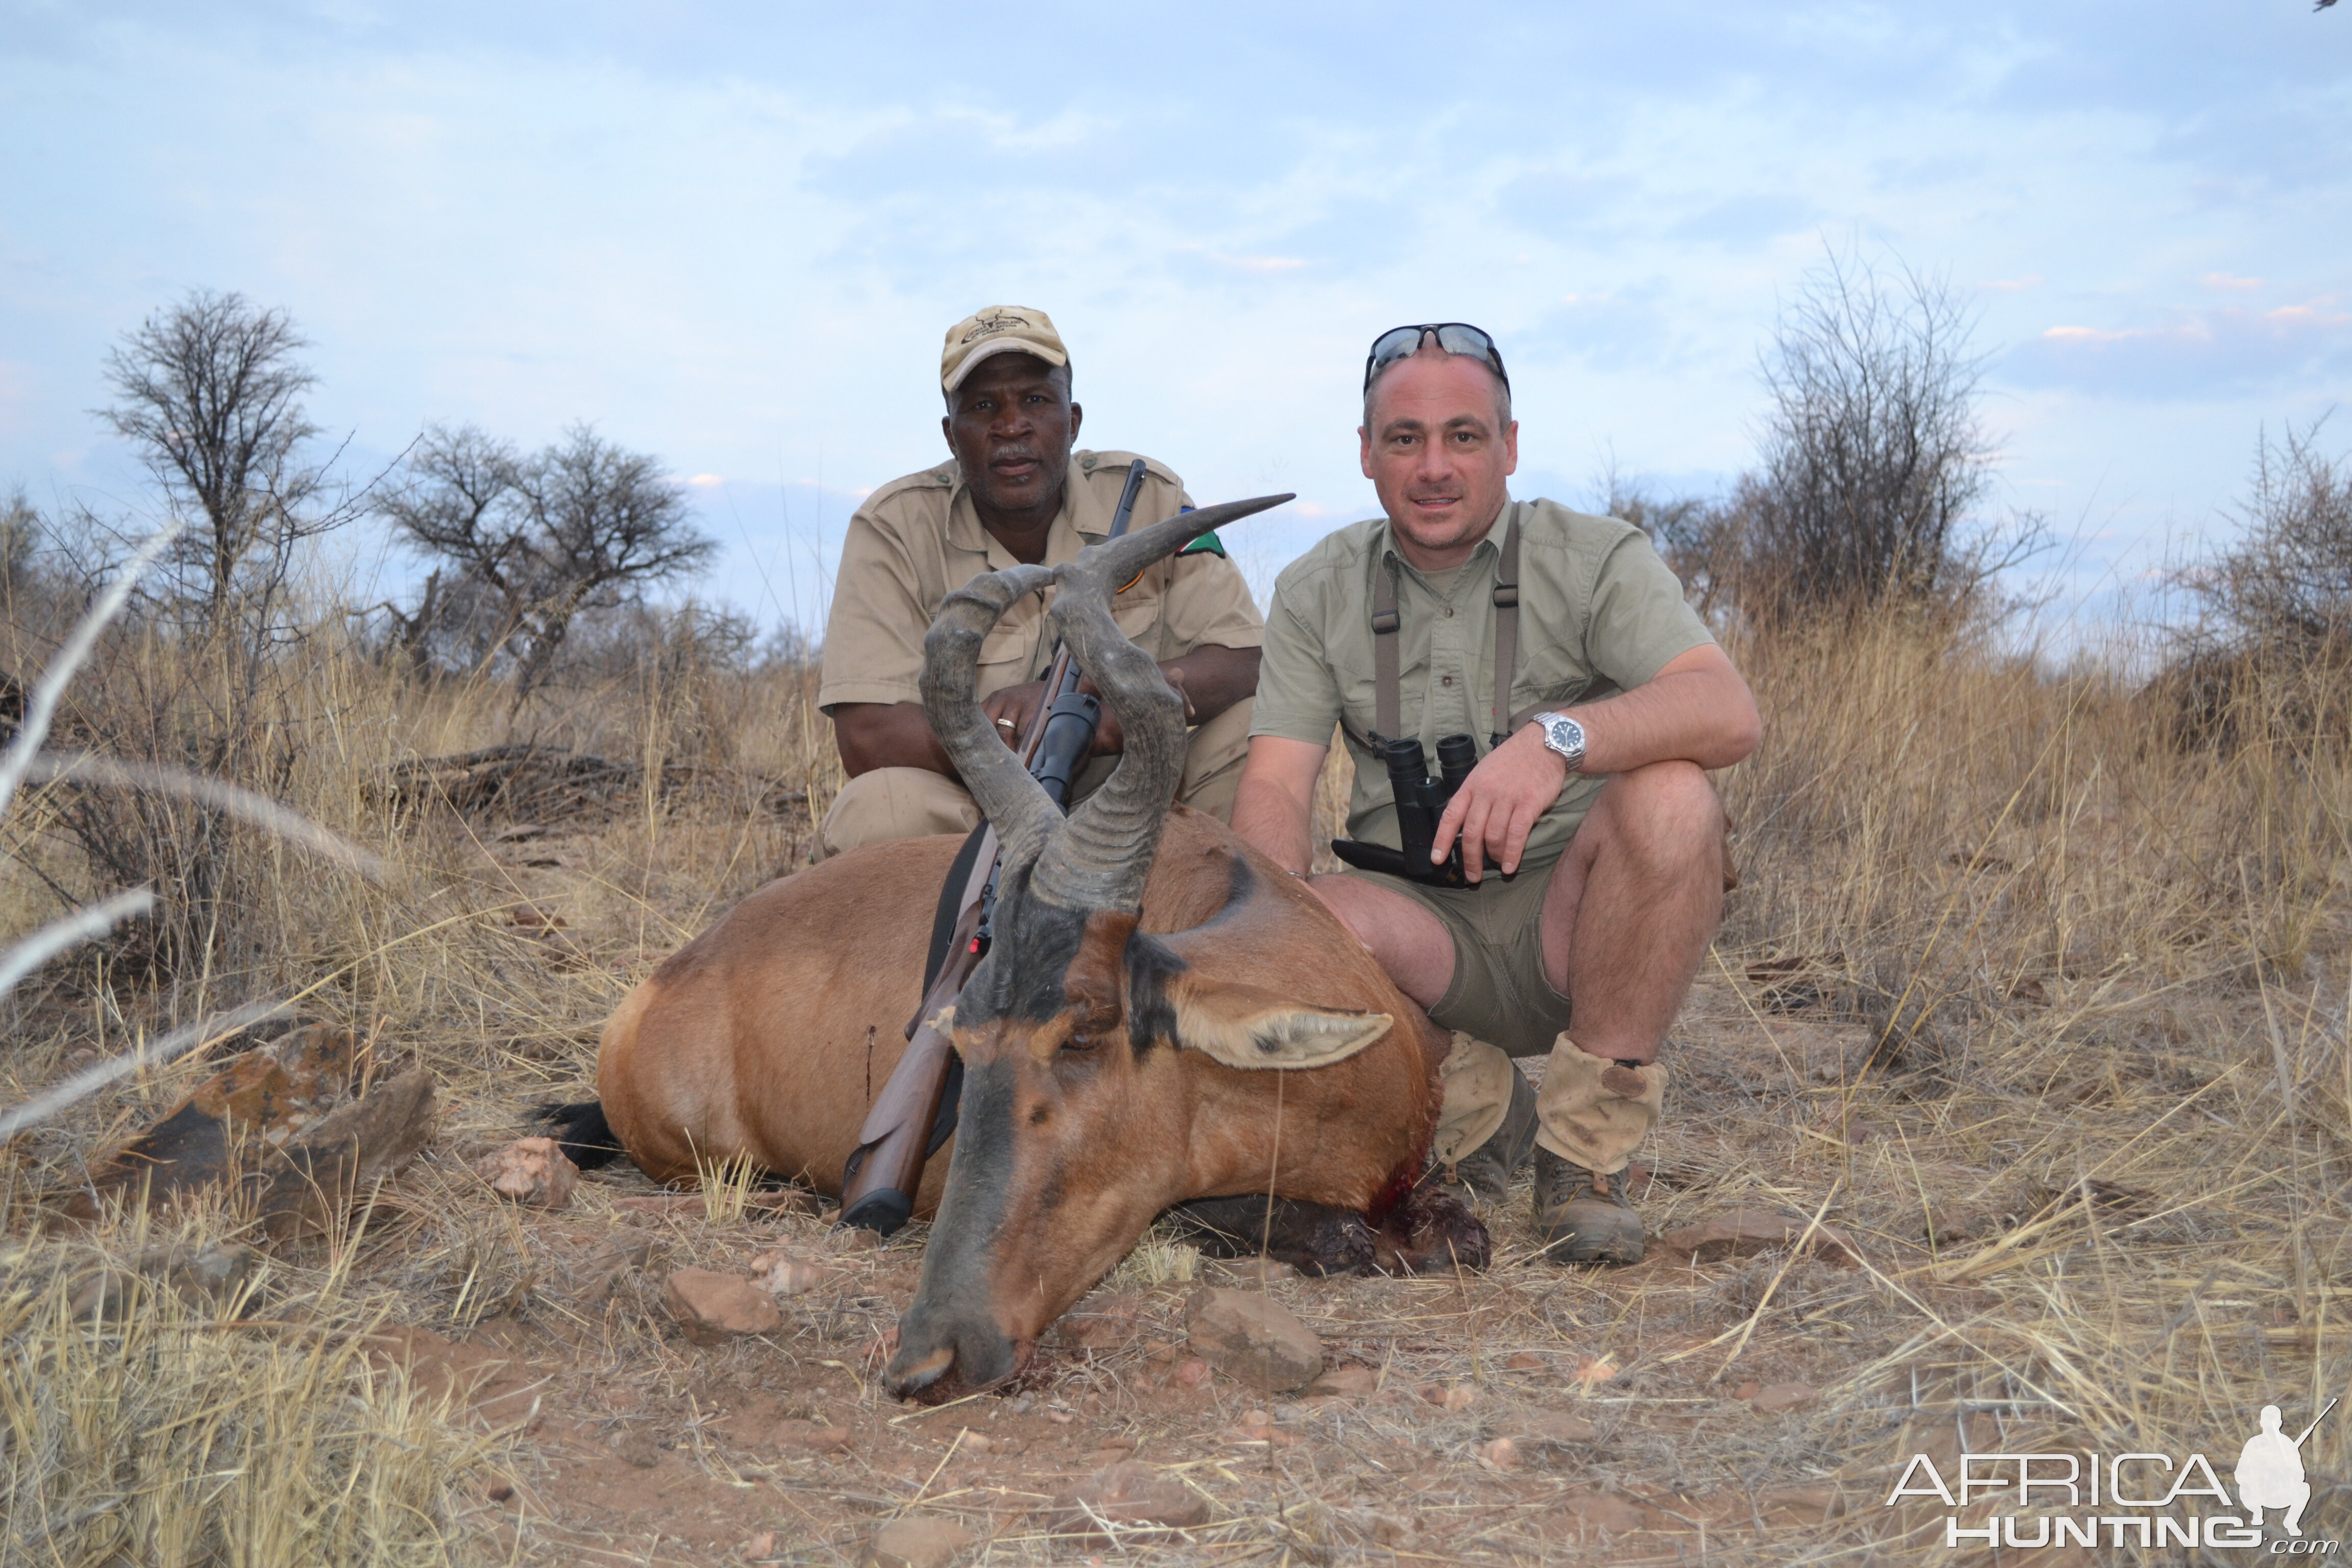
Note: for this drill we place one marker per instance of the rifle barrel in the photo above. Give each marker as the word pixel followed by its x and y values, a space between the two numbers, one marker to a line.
pixel 1062 677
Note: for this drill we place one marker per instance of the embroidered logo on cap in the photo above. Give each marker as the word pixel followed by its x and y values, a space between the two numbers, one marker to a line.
pixel 989 326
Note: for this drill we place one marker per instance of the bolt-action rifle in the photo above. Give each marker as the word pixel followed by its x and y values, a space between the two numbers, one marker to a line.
pixel 916 1110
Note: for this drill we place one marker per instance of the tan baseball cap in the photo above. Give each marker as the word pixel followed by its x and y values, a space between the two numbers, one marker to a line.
pixel 999 328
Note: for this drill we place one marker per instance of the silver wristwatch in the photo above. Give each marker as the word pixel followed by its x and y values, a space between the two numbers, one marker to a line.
pixel 1563 735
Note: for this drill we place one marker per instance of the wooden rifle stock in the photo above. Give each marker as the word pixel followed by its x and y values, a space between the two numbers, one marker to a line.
pixel 879 1180
pixel 877 1190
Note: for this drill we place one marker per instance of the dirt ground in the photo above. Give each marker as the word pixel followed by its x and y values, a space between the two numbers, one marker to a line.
pixel 1651 1414
pixel 1621 1404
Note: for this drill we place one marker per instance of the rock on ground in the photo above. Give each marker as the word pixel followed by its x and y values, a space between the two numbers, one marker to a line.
pixel 1607 1511
pixel 716 1308
pixel 265 1098
pixel 808 1438
pixel 1743 1233
pixel 1558 1430
pixel 915 1543
pixel 1247 1270
pixel 1127 1495
pixel 1777 1398
pixel 531 1171
pixel 1253 1339
pixel 615 1259
pixel 313 1182
pixel 782 1274
pixel 636 1446
pixel 1346 1383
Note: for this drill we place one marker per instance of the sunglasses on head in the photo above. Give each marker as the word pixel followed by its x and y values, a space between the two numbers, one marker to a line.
pixel 1453 337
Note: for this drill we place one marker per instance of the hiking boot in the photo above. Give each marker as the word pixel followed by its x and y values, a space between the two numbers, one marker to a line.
pixel 1484 1174
pixel 1582 1217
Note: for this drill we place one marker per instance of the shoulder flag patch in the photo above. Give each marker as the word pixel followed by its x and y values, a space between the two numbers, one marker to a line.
pixel 1207 544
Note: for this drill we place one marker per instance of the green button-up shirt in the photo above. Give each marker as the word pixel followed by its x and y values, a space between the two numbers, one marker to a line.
pixel 1599 613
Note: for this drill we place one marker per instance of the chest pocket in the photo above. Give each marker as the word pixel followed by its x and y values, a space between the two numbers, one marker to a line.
pixel 1139 613
pixel 1552 671
pixel 1018 649
pixel 1009 654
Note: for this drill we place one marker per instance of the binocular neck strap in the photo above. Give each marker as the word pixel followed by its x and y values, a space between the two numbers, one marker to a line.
pixel 1387 683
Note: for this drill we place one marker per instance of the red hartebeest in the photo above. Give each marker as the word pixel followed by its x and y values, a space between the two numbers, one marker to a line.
pixel 1165 1015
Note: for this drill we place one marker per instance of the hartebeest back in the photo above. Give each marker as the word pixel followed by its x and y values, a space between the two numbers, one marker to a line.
pixel 1164 1015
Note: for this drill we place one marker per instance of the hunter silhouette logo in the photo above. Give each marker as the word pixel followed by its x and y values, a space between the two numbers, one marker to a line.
pixel 2144 1499
pixel 2269 1471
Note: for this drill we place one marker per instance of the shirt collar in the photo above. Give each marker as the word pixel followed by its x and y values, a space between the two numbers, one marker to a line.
pixel 1489 544
pixel 1062 541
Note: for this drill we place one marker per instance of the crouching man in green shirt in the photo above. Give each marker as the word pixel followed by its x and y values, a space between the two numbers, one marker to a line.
pixel 1589 797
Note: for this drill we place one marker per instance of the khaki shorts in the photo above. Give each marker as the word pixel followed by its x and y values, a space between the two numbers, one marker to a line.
pixel 1499 994
pixel 911 803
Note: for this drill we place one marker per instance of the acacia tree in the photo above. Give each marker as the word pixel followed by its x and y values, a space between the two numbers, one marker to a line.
pixel 202 672
pixel 1872 457
pixel 580 524
pixel 210 394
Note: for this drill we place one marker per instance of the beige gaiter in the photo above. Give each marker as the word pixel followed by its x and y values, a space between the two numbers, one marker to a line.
pixel 1476 1079
pixel 1594 1112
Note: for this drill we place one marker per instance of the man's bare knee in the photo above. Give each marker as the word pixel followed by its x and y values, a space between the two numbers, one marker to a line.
pixel 1665 814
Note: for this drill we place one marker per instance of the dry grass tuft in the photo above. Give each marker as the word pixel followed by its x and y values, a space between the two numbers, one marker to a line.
pixel 147 1418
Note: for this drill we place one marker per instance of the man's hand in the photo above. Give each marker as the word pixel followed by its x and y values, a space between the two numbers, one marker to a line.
pixel 1227 666
pixel 1500 802
pixel 1009 711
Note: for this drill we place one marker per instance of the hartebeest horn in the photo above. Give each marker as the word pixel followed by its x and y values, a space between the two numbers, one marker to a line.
pixel 1099 858
pixel 1016 805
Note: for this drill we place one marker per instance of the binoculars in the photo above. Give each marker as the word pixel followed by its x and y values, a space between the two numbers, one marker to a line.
pixel 1421 800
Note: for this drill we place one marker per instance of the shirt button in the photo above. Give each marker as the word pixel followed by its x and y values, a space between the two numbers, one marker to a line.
pixel 1449 612
pixel 1449 681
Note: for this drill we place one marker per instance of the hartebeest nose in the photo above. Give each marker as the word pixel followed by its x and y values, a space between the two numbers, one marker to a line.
pixel 949 1355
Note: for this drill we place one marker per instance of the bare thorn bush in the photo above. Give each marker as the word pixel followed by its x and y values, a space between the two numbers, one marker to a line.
pixel 530 543
pixel 2266 657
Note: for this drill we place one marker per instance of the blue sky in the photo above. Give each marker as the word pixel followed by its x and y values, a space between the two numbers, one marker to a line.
pixel 733 235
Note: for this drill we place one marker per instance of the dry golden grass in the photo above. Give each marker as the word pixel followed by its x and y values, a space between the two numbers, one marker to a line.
pixel 2004 960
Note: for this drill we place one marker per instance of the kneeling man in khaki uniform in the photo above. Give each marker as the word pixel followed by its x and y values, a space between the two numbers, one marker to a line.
pixel 1562 647
pixel 1014 492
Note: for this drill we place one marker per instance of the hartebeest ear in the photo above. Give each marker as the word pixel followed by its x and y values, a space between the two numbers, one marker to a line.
pixel 1243 1027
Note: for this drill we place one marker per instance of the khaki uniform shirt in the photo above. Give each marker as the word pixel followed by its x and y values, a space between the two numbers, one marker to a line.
pixel 1599 613
pixel 917 540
